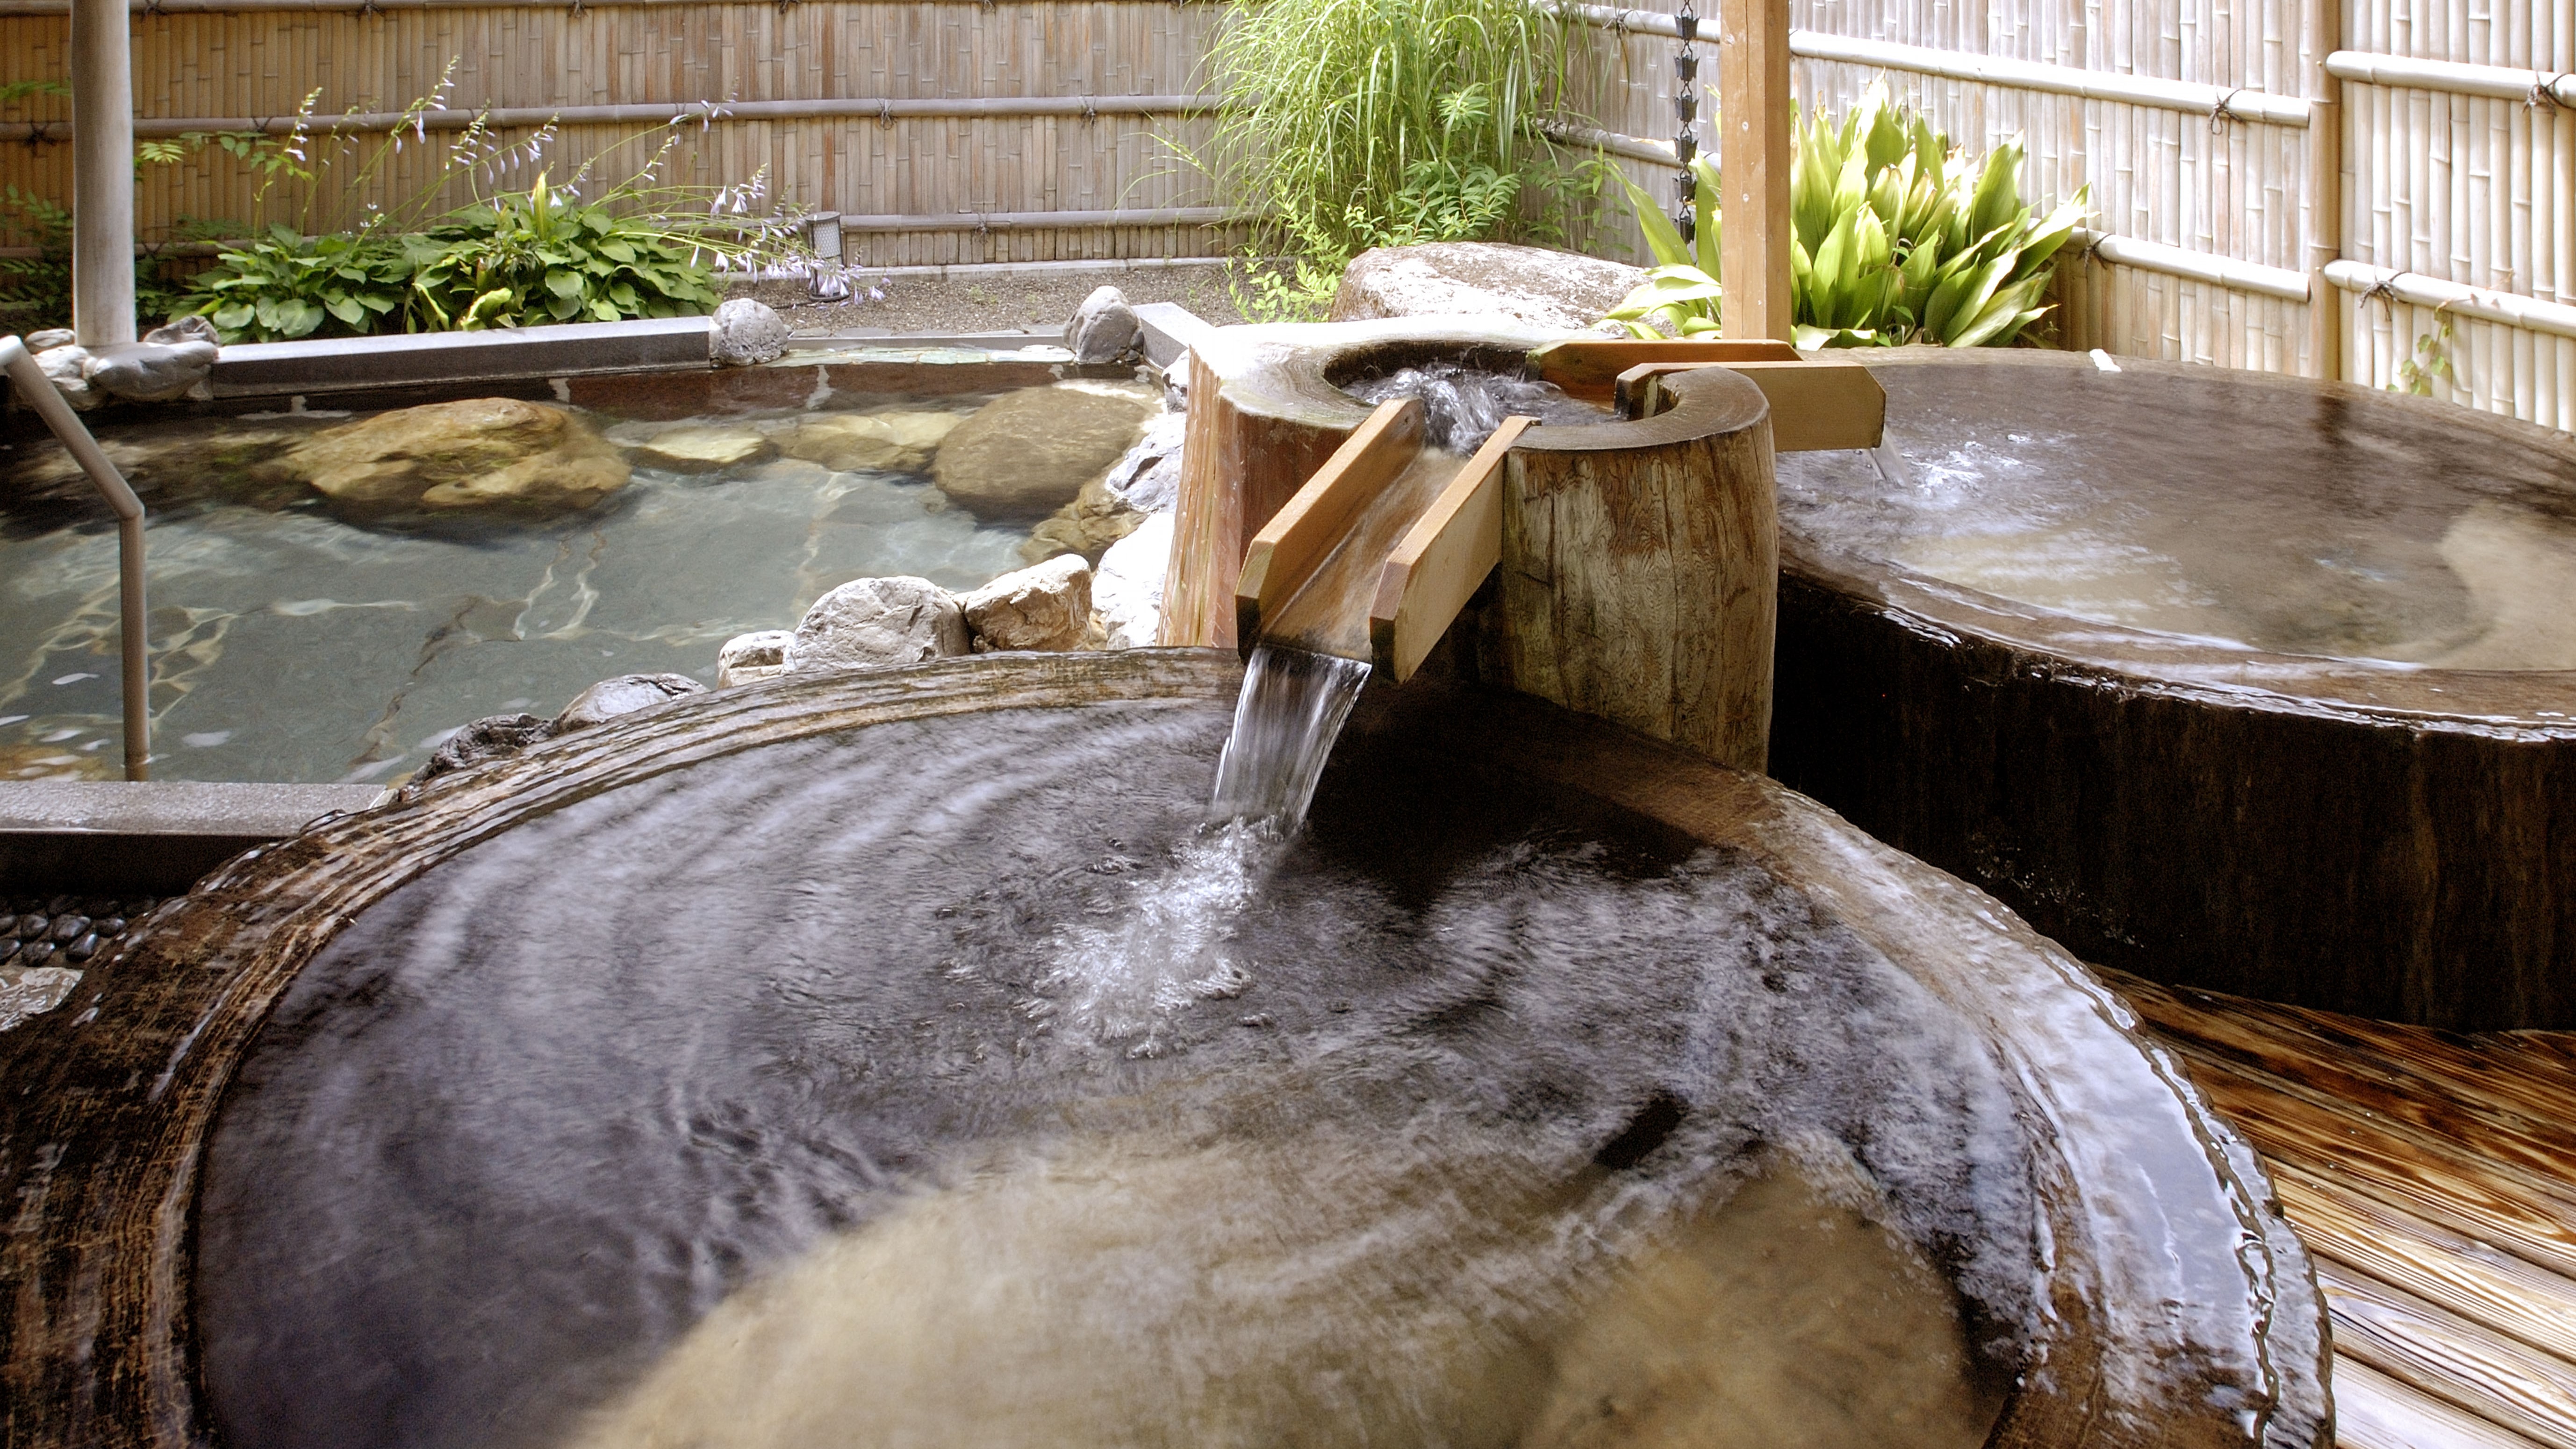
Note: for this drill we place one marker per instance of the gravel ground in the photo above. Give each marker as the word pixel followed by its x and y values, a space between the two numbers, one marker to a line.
pixel 995 301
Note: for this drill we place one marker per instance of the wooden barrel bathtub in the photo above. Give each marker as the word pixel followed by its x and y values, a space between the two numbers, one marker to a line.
pixel 2171 1306
pixel 2238 788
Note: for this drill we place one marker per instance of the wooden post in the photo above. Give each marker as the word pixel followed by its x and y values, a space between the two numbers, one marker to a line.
pixel 2324 190
pixel 1754 112
pixel 1639 569
pixel 102 174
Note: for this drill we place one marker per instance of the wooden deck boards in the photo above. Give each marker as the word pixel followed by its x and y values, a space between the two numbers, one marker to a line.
pixel 2433 1177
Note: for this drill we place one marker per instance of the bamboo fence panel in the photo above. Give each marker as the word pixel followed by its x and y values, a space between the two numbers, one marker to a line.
pixel 2463 188
pixel 263 64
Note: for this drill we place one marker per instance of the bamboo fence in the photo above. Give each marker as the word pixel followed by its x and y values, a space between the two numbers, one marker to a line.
pixel 2424 194
pixel 2277 185
pixel 920 189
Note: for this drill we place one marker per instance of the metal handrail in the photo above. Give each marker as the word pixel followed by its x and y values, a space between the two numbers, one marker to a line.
pixel 38 392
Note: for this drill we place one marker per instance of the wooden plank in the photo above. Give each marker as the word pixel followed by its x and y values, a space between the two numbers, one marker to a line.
pixel 2424 1124
pixel 1815 405
pixel 2374 1411
pixel 2455 1270
pixel 1589 367
pixel 2450 1358
pixel 2450 1189
pixel 2523 1082
pixel 1287 550
pixel 1443 559
pixel 1754 112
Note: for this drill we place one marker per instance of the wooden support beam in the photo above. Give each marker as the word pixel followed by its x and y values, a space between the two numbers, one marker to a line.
pixel 1442 560
pixel 1589 367
pixel 1289 548
pixel 1815 406
pixel 1754 114
pixel 102 174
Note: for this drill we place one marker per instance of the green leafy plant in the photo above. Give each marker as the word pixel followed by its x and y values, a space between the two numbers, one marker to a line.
pixel 514 254
pixel 1896 237
pixel 36 291
pixel 545 257
pixel 1349 124
pixel 285 285
pixel 2431 362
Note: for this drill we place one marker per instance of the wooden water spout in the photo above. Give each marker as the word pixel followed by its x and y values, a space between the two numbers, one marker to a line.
pixel 1635 559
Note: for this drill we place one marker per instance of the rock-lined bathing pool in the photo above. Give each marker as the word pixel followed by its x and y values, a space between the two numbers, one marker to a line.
pixel 302 637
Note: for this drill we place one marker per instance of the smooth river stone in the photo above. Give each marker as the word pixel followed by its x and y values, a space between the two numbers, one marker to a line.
pixel 704 450
pixel 1027 454
pixel 474 453
pixel 855 442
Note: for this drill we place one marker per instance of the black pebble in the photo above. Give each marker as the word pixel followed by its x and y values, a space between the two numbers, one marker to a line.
pixel 8 947
pixel 112 926
pixel 66 927
pixel 82 949
pixel 98 908
pixel 30 927
pixel 58 905
pixel 8 925
pixel 35 953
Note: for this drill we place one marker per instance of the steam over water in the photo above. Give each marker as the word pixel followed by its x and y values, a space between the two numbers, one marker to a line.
pixel 782 1100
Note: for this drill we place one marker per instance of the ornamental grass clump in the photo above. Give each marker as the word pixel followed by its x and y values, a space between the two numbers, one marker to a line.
pixel 1351 124
pixel 1897 237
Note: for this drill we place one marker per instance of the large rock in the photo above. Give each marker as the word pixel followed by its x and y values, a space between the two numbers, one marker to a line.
pixel 873 623
pixel 476 453
pixel 748 657
pixel 493 737
pixel 168 363
pixel 1104 329
pixel 1028 453
pixel 1127 588
pixel 703 449
pixel 152 372
pixel 67 367
pixel 1046 607
pixel 626 694
pixel 898 442
pixel 1528 284
pixel 744 332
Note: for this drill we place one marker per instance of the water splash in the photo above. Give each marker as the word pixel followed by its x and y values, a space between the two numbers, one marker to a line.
pixel 1285 721
pixel 1462 405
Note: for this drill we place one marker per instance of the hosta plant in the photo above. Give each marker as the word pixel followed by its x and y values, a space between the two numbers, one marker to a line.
pixel 285 285
pixel 1897 236
pixel 521 260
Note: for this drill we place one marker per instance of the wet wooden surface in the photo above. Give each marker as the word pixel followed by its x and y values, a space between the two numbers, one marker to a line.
pixel 2433 1177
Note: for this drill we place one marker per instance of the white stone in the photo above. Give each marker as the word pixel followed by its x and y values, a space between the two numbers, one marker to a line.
pixel 68 366
pixel 747 657
pixel 1104 328
pixel 625 694
pixel 50 338
pixel 744 332
pixel 27 991
pixel 1527 284
pixel 1044 607
pixel 1148 479
pixel 1127 589
pixel 875 623
pixel 152 372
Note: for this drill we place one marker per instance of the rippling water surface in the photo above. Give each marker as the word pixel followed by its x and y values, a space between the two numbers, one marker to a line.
pixel 2196 505
pixel 831 1093
pixel 296 642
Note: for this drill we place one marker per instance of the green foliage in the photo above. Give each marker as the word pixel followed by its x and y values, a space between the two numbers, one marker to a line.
pixel 36 292
pixel 1350 124
pixel 505 257
pixel 1896 237
pixel 2432 360
pixel 543 257
pixel 286 285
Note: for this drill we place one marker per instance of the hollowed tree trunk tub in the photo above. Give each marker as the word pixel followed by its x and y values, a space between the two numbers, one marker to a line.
pixel 718 1048
pixel 1637 555
pixel 2243 682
